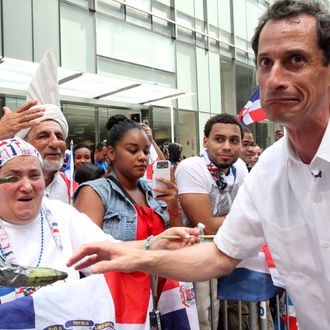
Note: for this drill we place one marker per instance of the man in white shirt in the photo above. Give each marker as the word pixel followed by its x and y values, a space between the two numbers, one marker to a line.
pixel 285 200
pixel 207 185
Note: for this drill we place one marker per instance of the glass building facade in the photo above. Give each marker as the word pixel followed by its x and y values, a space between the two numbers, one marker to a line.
pixel 199 46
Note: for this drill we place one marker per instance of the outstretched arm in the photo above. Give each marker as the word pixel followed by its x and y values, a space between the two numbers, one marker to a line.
pixel 196 263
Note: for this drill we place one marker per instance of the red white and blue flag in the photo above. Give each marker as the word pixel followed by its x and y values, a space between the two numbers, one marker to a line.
pixel 286 309
pixel 254 279
pixel 113 301
pixel 252 111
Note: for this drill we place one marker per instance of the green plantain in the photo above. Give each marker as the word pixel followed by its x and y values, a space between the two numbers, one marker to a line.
pixel 16 276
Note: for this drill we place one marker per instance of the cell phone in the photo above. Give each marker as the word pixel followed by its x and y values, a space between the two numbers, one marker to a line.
pixel 136 117
pixel 160 169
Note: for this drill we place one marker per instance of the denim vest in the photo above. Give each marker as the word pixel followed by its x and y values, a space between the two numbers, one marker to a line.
pixel 120 218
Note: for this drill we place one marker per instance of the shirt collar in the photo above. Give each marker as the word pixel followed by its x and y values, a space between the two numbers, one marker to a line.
pixel 323 151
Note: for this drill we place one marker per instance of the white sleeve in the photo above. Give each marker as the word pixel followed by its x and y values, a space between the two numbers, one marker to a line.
pixel 241 235
pixel 192 178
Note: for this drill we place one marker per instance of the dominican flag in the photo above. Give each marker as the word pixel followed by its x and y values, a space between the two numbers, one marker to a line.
pixel 113 301
pixel 68 169
pixel 287 310
pixel 252 111
pixel 254 279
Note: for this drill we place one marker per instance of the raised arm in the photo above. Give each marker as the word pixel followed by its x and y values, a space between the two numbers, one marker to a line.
pixel 13 121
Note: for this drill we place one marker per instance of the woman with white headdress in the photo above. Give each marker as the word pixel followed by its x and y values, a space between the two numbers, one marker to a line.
pixel 38 232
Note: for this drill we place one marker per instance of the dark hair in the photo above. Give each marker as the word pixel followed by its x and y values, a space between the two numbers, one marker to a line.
pixel 174 150
pixel 87 172
pixel 100 145
pixel 80 146
pixel 290 8
pixel 223 118
pixel 246 129
pixel 118 126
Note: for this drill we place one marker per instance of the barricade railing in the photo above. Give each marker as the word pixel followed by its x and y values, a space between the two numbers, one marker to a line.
pixel 258 314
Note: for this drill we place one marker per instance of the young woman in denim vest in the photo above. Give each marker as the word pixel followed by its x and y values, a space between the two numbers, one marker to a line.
pixel 122 203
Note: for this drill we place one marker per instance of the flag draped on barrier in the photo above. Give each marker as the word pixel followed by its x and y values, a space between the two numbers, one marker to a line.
pixel 113 301
pixel 252 111
pixel 254 279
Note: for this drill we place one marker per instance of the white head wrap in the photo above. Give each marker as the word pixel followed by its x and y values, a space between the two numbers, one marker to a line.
pixel 44 88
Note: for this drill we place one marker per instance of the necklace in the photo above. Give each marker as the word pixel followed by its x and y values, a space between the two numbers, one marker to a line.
pixel 5 246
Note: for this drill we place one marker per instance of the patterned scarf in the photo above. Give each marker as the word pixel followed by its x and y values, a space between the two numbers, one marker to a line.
pixel 223 181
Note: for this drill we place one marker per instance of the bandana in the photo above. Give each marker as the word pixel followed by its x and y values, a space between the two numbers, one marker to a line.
pixel 223 181
pixel 16 147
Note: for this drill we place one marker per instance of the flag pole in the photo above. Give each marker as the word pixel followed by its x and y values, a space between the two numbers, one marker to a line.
pixel 71 171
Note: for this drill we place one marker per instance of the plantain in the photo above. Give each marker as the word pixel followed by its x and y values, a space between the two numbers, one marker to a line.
pixel 15 276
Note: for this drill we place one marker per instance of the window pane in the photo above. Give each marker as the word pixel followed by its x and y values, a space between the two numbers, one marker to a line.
pixel 77 38
pixel 203 118
pixel 215 85
pixel 17 29
pixel 81 121
pixel 203 80
pixel 187 132
pixel 111 7
pixel 228 88
pixel 245 84
pixel 186 75
pixel 140 47
pixel 161 125
pixel 46 28
pixel 225 15
pixel 186 7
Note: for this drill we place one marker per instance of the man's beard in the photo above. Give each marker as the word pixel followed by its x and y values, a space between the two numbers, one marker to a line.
pixel 223 166
pixel 52 166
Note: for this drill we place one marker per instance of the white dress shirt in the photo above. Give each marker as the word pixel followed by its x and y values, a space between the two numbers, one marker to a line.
pixel 287 204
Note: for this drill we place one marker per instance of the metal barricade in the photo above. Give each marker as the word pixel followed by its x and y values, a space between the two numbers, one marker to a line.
pixel 259 315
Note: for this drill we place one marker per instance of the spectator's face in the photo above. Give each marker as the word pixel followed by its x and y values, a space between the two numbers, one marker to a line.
pixel 246 149
pixel 47 137
pixel 82 156
pixel 294 83
pixel 102 155
pixel 130 156
pixel 20 201
pixel 223 144
pixel 256 152
pixel 278 134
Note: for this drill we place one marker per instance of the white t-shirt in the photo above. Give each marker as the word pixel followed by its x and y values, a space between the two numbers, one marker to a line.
pixel 282 203
pixel 57 189
pixel 193 177
pixel 75 229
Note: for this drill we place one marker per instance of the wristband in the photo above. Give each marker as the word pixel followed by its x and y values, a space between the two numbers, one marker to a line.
pixel 147 244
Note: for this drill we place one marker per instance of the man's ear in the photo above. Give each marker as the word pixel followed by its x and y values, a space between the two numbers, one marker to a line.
pixel 205 140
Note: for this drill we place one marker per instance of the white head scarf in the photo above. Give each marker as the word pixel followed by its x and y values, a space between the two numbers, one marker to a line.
pixel 44 88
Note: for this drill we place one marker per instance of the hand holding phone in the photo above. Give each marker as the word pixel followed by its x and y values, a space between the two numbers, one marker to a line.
pixel 160 169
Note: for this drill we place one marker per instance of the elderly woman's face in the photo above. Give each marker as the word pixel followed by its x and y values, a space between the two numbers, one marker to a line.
pixel 20 201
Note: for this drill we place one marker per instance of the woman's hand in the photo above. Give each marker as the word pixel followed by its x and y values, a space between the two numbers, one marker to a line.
pixel 181 237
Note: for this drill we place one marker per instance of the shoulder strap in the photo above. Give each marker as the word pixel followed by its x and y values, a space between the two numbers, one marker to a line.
pixel 118 184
